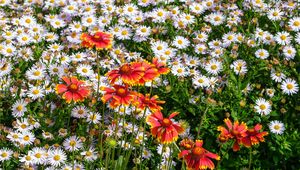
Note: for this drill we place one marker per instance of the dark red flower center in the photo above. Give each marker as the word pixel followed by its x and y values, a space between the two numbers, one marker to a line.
pixel 125 69
pixel 198 151
pixel 146 100
pixel 166 122
pixel 121 92
pixel 98 38
pixel 235 132
pixel 73 87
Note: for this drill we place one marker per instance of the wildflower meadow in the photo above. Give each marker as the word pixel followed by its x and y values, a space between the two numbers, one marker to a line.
pixel 149 84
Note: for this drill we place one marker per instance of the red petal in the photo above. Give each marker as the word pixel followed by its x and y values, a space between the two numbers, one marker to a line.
pixel 60 88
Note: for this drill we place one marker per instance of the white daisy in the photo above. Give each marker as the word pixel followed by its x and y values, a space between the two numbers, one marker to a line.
pixel 85 70
pixel 79 112
pixel 89 154
pixel 39 155
pixel 5 154
pixel 56 157
pixel 270 92
pixel 294 23
pixel 239 67
pixel 213 67
pixel 289 86
pixel 262 53
pixel 277 76
pixel 283 38
pixel 181 42
pixel 36 92
pixel 73 143
pixel 289 52
pixel 200 81
pixel 275 14
pixel 19 108
pixel 276 127
pixel 93 117
pixel 27 138
pixel 262 106
pixel 179 70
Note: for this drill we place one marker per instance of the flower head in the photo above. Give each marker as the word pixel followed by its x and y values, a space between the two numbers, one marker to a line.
pixel 233 131
pixel 127 73
pixel 195 156
pixel 100 40
pixel 73 89
pixel 163 128
pixel 144 101
pixel 118 95
pixel 254 136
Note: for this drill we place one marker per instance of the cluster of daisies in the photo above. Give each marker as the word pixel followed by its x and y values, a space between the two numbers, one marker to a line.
pixel 72 68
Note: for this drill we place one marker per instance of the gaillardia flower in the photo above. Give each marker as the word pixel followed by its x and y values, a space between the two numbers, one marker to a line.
pixel 164 129
pixel 127 73
pixel 235 131
pixel 150 71
pixel 145 101
pixel 100 40
pixel 161 67
pixel 118 95
pixel 73 89
pixel 254 136
pixel 195 156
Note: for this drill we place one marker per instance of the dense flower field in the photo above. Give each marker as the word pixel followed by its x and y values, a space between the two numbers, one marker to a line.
pixel 149 84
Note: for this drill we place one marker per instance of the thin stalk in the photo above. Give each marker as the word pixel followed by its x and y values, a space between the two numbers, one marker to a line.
pixel 107 158
pixel 201 121
pixel 161 156
pixel 144 123
pixel 250 158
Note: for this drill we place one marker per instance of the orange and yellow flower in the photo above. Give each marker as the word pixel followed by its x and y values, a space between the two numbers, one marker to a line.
pixel 127 73
pixel 254 136
pixel 161 67
pixel 235 131
pixel 145 101
pixel 73 89
pixel 195 156
pixel 118 95
pixel 150 72
pixel 164 129
pixel 100 40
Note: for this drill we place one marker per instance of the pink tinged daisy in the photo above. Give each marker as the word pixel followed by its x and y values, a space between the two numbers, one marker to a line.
pixel 19 108
pixel 90 154
pixel 213 67
pixel 294 23
pixel 79 112
pixel 262 54
pixel 14 137
pixel 239 67
pixel 277 76
pixel 39 155
pixel 93 118
pixel 27 138
pixel 276 127
pixel 275 14
pixel 56 157
pixel 27 159
pixel 289 86
pixel 289 52
pixel 262 106
pixel 200 81
pixel 73 143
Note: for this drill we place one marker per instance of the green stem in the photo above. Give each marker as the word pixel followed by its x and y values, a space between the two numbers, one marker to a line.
pixel 201 121
pixel 107 158
pixel 250 158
